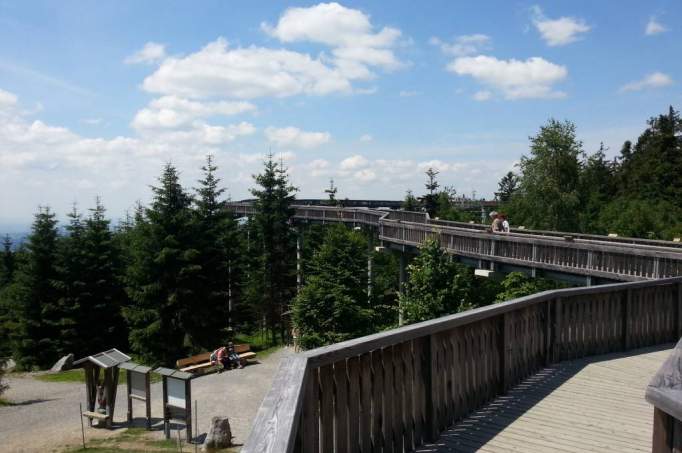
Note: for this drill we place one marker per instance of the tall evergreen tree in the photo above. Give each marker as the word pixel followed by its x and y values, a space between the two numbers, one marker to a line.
pixel 597 188
pixel 72 284
pixel 8 262
pixel 104 295
pixel 507 187
pixel 437 286
pixel 651 170
pixel 272 280
pixel 35 302
pixel 410 203
pixel 219 257
pixel 161 277
pixel 332 306
pixel 430 199
pixel 331 192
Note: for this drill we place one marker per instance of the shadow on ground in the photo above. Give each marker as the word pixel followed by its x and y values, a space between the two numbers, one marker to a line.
pixel 484 424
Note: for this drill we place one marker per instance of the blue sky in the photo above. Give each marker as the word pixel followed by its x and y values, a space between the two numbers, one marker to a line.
pixel 96 96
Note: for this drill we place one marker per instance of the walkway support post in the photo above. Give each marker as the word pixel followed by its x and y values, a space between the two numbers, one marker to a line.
pixel 401 283
pixel 370 248
pixel 299 249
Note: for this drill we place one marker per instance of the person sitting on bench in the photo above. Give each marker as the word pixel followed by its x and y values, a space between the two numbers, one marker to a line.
pixel 226 356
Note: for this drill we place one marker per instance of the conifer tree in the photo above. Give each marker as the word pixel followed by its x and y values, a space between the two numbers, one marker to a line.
pixel 35 303
pixel 72 285
pixel 219 257
pixel 272 280
pixel 161 277
pixel 8 262
pixel 430 199
pixel 410 203
pixel 332 306
pixel 104 297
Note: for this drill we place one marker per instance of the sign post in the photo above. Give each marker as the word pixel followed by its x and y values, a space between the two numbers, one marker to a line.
pixel 177 399
pixel 138 380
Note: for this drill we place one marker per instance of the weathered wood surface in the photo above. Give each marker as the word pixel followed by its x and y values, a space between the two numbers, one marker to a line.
pixel 585 405
pixel 621 259
pixel 664 392
pixel 417 380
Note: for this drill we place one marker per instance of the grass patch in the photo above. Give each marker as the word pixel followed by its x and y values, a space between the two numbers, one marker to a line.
pixel 77 375
pixel 258 343
pixel 4 402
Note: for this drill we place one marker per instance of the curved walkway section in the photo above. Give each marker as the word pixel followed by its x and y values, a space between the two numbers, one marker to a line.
pixel 588 256
pixel 587 405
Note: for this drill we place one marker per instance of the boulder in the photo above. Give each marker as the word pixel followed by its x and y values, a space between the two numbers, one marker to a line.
pixel 219 435
pixel 63 364
pixel 10 365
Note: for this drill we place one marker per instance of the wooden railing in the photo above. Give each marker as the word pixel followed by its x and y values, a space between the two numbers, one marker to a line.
pixel 597 256
pixel 395 390
pixel 665 394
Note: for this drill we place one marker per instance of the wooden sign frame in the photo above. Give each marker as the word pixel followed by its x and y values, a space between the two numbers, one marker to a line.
pixel 173 412
pixel 136 372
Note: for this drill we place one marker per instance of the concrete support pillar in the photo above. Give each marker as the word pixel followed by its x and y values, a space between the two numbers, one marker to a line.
pixel 402 279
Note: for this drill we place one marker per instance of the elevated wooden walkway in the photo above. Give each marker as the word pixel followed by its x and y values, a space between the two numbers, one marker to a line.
pixel 593 404
pixel 585 258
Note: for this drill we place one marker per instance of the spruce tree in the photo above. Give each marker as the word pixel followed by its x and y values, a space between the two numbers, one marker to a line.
pixel 103 296
pixel 430 199
pixel 410 203
pixel 34 333
pixel 272 280
pixel 332 306
pixel 219 256
pixel 161 277
pixel 8 262
pixel 71 281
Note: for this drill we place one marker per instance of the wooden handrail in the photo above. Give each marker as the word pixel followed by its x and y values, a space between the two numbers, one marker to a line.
pixel 402 387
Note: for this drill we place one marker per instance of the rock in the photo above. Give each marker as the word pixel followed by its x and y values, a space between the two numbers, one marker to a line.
pixel 63 364
pixel 219 435
pixel 10 365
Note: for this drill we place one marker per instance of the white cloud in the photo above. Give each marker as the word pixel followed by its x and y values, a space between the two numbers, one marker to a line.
pixel 365 175
pixel 92 121
pixel 408 93
pixel 463 45
pixel 366 138
pixel 354 162
pixel 561 31
pixel 174 111
pixel 483 95
pixel 244 73
pixel 7 100
pixel 151 53
pixel 295 137
pixel 355 44
pixel 516 79
pixel 653 80
pixel 654 27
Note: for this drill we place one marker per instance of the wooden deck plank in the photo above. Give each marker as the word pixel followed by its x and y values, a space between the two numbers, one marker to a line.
pixel 585 405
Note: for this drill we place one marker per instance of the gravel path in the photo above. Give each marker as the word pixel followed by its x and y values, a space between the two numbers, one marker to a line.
pixel 46 418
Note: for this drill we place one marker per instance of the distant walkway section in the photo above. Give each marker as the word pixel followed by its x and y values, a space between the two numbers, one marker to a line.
pixel 588 405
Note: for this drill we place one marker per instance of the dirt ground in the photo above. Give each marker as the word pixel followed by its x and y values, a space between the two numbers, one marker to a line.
pixel 45 415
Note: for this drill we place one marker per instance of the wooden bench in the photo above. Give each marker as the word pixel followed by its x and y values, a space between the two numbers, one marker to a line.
pixel 96 415
pixel 202 362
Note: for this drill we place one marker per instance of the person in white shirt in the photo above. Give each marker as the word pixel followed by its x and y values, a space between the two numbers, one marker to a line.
pixel 505 223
